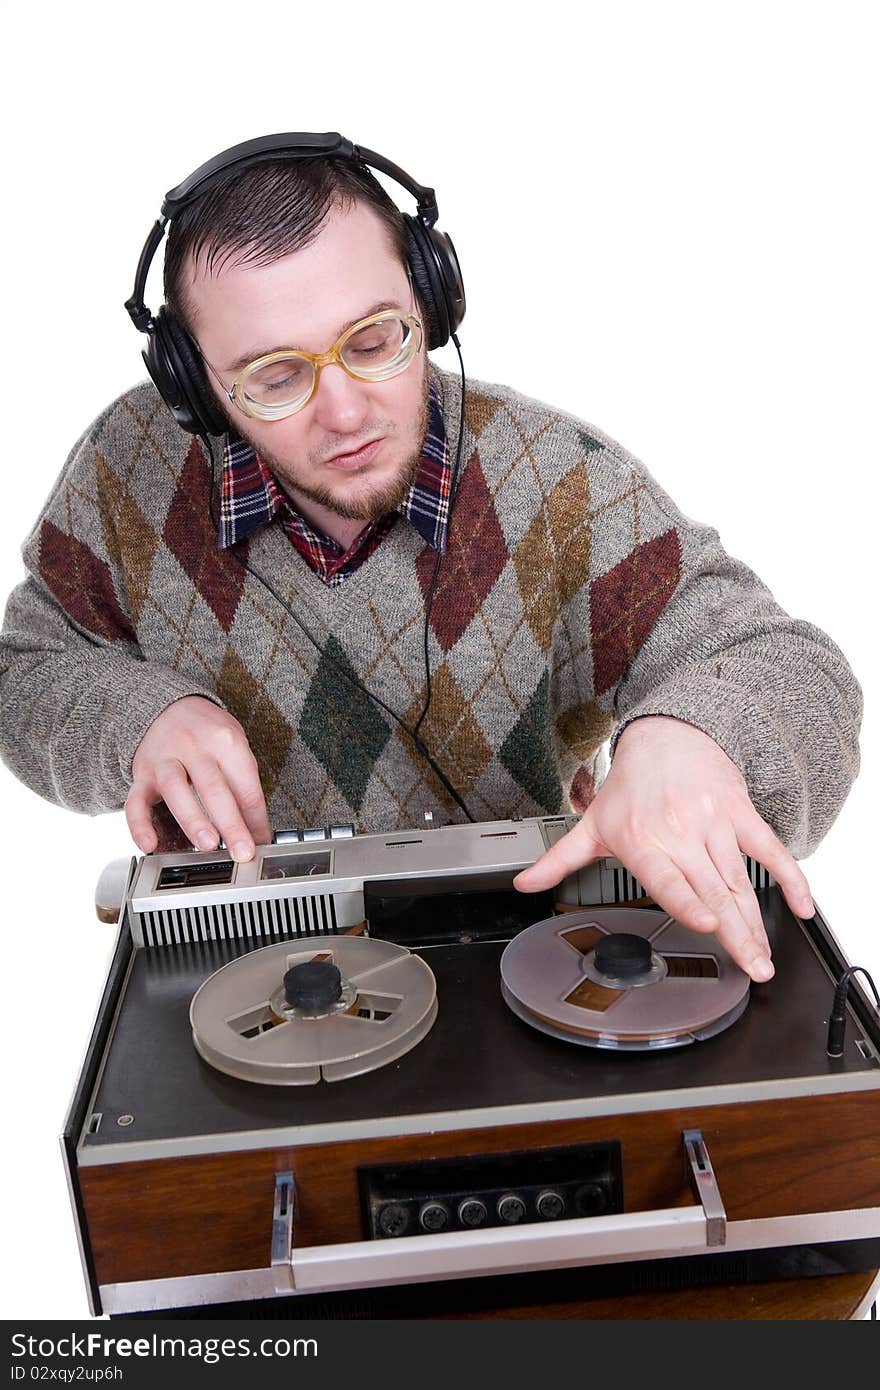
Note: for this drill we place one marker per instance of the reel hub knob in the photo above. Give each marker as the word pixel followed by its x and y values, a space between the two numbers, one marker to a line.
pixel 313 986
pixel 623 955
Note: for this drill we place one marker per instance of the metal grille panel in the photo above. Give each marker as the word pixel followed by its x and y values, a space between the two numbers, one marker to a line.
pixel 259 919
pixel 607 881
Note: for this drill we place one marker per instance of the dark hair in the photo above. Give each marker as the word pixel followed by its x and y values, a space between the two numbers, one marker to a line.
pixel 267 210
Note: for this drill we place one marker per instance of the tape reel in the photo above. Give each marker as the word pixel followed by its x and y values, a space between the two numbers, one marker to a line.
pixel 622 978
pixel 264 1018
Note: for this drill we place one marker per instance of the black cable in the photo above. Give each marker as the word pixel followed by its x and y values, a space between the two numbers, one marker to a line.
pixel 837 1021
pixel 411 733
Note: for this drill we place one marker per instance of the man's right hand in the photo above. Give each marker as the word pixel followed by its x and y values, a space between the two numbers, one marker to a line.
pixel 196 752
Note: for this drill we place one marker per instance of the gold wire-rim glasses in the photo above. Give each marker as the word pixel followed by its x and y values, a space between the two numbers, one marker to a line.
pixel 407 352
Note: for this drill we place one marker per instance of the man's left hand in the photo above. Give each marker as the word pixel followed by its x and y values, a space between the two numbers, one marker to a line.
pixel 675 810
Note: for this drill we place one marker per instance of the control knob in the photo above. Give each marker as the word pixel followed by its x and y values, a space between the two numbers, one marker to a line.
pixel 472 1212
pixel 434 1216
pixel 510 1208
pixel 550 1205
pixel 393 1219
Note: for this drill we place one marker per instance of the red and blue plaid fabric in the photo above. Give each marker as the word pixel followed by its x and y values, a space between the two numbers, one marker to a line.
pixel 251 497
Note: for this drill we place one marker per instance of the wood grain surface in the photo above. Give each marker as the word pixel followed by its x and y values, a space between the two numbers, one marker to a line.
pixel 204 1214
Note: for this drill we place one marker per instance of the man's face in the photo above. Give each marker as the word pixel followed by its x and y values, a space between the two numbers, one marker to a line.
pixel 355 447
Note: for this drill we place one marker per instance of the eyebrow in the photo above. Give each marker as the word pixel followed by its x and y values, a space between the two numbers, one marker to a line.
pixel 253 353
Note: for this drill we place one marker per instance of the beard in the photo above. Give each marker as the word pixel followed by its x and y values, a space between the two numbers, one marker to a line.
pixel 372 500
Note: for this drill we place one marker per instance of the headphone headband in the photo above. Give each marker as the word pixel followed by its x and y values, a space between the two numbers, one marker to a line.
pixel 294 146
pixel 171 357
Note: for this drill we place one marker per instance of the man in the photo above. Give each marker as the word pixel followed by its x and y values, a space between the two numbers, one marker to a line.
pixel 337 624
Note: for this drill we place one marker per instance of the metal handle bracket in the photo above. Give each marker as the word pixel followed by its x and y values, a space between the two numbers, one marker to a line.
pixel 282 1232
pixel 705 1186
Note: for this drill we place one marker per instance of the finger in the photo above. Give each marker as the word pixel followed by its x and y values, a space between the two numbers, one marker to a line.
pixel 243 776
pixel 175 789
pixel 726 855
pixel 695 896
pixel 579 847
pixel 222 808
pixel 664 881
pixel 140 822
pixel 739 931
pixel 759 841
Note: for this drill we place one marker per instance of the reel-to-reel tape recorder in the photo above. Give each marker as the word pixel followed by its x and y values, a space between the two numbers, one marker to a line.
pixel 364 1062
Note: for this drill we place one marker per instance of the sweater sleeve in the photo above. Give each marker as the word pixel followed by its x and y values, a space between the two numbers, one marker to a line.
pixel 773 691
pixel 73 710
pixel 77 692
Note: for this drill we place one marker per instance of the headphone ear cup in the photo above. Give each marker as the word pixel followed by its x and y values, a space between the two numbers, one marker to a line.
pixel 176 368
pixel 425 285
pixel 449 272
pixel 428 282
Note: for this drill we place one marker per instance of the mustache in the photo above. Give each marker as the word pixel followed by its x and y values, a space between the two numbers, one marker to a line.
pixel 348 444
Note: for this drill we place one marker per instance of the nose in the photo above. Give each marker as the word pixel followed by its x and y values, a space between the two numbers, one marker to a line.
pixel 340 403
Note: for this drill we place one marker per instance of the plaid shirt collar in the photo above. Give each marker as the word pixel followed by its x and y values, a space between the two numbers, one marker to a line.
pixel 251 498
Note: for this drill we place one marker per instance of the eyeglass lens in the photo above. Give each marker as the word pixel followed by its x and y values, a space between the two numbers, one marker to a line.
pixel 372 353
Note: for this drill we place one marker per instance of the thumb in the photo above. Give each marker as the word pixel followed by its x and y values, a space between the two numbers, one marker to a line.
pixel 579 847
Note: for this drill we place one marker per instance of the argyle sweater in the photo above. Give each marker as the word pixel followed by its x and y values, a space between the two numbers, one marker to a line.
pixel 573 597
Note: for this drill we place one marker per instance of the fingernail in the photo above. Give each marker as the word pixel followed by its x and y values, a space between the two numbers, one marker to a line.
pixel 762 969
pixel 205 840
pixel 242 851
pixel 807 908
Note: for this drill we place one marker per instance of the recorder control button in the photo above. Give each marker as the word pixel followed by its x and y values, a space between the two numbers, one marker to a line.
pixel 550 1205
pixel 472 1212
pixel 434 1216
pixel 510 1208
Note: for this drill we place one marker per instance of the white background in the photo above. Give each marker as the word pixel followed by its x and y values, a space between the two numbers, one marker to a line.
pixel 667 219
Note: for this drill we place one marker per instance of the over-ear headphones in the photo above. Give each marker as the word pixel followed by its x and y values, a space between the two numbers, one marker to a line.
pixel 171 356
